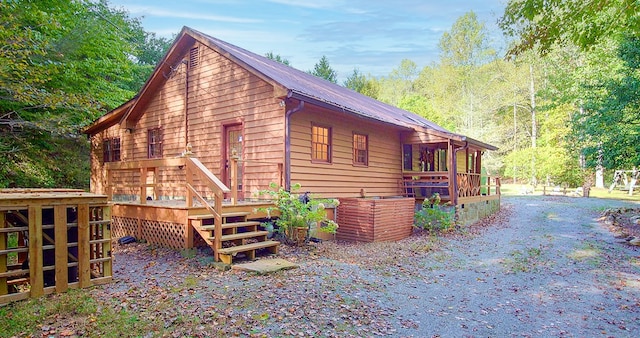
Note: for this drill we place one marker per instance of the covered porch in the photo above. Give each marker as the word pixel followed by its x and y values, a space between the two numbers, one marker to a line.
pixel 448 166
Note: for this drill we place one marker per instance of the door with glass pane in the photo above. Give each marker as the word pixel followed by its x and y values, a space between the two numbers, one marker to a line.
pixel 233 145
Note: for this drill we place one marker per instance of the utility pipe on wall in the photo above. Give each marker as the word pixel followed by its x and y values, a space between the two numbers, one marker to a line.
pixel 287 141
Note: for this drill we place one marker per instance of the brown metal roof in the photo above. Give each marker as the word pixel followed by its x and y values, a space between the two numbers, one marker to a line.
pixel 293 83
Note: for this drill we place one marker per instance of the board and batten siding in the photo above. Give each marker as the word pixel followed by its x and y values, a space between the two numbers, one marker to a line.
pixel 341 178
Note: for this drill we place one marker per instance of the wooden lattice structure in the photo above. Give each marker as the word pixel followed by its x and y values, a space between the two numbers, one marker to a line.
pixel 52 240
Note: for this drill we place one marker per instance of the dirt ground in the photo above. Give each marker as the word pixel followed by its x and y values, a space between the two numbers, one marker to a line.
pixel 543 266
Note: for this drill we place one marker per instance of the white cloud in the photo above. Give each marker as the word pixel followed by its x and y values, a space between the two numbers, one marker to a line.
pixel 149 11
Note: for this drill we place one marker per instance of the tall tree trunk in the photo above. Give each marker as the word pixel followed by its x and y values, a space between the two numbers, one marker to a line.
pixel 534 127
pixel 515 132
pixel 600 168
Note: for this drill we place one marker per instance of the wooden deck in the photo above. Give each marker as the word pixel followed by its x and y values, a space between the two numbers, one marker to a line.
pixel 199 216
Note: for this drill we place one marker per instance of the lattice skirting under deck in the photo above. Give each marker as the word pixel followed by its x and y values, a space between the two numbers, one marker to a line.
pixel 164 234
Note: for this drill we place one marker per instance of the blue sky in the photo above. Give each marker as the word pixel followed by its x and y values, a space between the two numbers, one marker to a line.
pixel 371 35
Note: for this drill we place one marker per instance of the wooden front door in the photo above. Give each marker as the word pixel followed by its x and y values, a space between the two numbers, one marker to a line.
pixel 233 144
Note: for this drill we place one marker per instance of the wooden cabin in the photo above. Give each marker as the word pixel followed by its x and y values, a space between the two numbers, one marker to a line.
pixel 218 123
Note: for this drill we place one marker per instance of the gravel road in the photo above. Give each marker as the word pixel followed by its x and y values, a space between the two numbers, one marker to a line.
pixel 544 267
pixel 551 270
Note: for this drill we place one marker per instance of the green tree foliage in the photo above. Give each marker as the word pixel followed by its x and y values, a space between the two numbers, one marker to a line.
pixel 541 24
pixel 63 64
pixel 592 47
pixel 366 85
pixel 466 44
pixel 277 58
pixel 323 70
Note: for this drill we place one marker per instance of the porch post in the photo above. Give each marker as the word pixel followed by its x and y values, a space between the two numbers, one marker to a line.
pixel 453 175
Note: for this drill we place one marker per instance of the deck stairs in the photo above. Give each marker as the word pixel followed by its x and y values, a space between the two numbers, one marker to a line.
pixel 240 236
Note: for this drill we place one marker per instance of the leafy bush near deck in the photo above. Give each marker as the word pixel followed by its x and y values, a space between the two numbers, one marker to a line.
pixel 434 216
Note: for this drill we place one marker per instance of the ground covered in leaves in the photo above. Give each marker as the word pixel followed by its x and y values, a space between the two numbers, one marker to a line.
pixel 543 266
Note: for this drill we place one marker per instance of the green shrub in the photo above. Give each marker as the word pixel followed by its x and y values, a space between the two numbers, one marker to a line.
pixel 434 217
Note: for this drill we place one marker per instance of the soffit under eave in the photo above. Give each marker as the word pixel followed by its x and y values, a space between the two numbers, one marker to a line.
pixel 279 91
pixel 157 79
pixel 109 119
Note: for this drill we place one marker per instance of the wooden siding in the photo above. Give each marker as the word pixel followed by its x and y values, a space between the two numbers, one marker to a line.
pixel 375 220
pixel 220 92
pixel 341 178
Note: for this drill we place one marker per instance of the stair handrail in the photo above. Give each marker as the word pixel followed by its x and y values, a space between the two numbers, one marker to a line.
pixel 196 168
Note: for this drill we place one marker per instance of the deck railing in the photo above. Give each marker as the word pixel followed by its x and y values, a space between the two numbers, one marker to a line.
pixel 476 187
pixel 194 170
pixel 471 187
pixel 421 184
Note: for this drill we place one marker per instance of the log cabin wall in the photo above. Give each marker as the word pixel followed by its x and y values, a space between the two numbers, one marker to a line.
pixel 220 93
pixel 341 178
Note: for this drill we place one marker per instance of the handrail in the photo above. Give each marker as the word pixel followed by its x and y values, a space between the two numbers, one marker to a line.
pixel 196 168
pixel 204 174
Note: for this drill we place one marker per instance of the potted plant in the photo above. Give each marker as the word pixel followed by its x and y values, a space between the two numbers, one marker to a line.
pixel 298 213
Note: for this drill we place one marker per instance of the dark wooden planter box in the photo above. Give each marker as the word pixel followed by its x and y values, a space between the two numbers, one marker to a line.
pixel 375 219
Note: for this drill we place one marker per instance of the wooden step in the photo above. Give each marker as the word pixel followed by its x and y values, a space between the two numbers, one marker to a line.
pixel 230 225
pixel 224 215
pixel 242 235
pixel 226 254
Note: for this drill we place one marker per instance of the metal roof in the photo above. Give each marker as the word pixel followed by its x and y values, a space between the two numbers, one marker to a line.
pixel 303 84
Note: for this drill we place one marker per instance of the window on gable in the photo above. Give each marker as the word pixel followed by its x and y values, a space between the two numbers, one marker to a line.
pixel 111 150
pixel 154 141
pixel 194 57
pixel 360 149
pixel 320 144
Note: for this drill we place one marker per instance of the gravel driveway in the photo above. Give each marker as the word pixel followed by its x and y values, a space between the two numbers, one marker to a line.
pixel 544 267
pixel 551 270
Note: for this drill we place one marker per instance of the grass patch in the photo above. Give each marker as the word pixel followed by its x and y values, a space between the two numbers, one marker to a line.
pixel 589 253
pixel 26 318
pixel 526 260
pixel 510 189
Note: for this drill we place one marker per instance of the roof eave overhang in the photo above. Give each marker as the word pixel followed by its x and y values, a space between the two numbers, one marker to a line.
pixel 338 108
pixel 109 119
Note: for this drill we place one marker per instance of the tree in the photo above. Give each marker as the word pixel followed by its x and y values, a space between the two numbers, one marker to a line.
pixel 62 64
pixel 365 85
pixel 323 70
pixel 541 24
pixel 277 58
pixel 466 44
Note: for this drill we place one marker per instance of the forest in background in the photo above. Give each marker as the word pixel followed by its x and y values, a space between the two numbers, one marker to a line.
pixel 563 101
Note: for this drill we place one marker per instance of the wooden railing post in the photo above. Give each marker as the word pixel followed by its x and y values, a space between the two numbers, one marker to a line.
pixel 61 247
pixel 36 277
pixel 107 267
pixel 217 232
pixel 84 266
pixel 234 177
pixel 110 187
pixel 143 185
pixel 189 179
